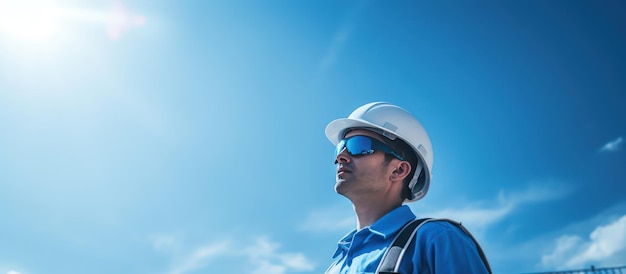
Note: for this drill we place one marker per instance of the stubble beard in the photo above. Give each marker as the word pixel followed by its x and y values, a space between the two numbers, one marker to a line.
pixel 341 185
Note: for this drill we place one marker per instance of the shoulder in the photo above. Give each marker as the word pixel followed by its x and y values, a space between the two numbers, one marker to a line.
pixel 444 236
pixel 436 228
pixel 445 246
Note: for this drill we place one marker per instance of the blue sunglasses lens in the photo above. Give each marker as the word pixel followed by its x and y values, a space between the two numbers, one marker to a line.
pixel 358 145
pixel 363 145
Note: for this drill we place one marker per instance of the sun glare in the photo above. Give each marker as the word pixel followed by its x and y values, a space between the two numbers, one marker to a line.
pixel 32 20
pixel 39 20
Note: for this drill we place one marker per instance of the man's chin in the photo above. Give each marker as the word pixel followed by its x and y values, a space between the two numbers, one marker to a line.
pixel 341 186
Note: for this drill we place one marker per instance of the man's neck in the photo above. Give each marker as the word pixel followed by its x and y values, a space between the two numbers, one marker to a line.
pixel 368 213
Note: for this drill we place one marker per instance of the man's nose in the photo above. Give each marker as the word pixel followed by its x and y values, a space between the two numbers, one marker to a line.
pixel 342 157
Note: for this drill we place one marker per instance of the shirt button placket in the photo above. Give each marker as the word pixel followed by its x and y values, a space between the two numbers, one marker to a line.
pixel 355 245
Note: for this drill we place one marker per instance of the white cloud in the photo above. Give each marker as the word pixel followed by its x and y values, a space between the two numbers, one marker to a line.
pixel 481 215
pixel 565 247
pixel 605 244
pixel 11 268
pixel 261 256
pixel 267 260
pixel 474 217
pixel 614 145
pixel 200 257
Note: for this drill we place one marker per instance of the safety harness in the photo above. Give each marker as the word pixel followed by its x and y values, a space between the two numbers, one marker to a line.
pixel 390 263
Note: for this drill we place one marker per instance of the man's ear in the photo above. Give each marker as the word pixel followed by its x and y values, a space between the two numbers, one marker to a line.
pixel 400 171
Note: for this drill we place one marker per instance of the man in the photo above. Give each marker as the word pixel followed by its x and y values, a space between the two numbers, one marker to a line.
pixel 384 158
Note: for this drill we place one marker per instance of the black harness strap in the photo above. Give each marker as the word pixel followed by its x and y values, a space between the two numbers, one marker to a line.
pixel 390 262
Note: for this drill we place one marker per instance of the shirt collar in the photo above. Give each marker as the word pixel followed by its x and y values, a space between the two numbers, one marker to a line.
pixel 386 226
pixel 391 222
pixel 344 243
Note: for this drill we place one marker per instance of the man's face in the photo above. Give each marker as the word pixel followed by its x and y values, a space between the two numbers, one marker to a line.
pixel 363 175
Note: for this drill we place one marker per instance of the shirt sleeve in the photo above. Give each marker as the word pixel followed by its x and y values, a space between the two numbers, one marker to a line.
pixel 442 248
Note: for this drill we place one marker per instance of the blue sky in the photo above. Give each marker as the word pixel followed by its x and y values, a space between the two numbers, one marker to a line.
pixel 188 137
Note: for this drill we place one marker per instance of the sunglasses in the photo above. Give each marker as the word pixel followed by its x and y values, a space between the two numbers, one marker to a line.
pixel 359 145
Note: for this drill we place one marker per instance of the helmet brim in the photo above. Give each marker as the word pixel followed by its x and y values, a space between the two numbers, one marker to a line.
pixel 336 129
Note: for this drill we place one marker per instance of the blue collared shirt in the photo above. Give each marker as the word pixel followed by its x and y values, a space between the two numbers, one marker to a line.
pixel 439 247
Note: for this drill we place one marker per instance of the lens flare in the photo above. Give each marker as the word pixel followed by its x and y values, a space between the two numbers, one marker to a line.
pixel 33 20
pixel 39 20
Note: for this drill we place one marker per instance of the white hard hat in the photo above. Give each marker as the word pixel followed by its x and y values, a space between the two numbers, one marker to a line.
pixel 392 122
